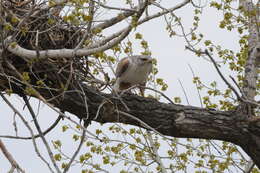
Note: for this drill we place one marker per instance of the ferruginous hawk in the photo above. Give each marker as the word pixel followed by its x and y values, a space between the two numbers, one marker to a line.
pixel 133 70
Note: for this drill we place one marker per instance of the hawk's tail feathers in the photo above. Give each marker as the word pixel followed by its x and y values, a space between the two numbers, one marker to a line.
pixel 116 86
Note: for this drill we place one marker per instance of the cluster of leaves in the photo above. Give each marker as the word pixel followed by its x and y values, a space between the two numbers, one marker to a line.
pixel 130 150
pixel 215 98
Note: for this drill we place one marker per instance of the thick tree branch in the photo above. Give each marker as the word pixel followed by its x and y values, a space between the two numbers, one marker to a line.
pixel 168 119
pixel 63 53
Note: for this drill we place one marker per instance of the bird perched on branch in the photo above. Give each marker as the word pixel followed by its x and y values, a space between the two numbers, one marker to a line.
pixel 133 70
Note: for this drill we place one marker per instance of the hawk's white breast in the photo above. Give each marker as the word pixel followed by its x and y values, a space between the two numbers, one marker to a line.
pixel 131 71
pixel 136 74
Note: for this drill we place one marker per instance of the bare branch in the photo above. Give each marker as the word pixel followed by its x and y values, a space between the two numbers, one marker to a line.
pixel 113 8
pixel 64 53
pixel 193 75
pixel 183 90
pixel 35 136
pixel 161 93
pixel 40 133
pixel 235 82
pixel 155 153
pixel 222 76
pixel 146 19
pixel 29 128
pixel 165 11
pixel 10 157
pixel 219 72
pixel 112 21
pixel 143 124
pixel 76 152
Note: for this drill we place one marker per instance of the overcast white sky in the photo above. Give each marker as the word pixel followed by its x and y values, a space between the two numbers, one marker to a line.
pixel 173 62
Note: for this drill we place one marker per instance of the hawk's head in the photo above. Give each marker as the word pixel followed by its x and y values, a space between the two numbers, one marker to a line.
pixel 142 59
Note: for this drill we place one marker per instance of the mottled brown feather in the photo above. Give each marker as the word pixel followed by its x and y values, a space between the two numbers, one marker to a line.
pixel 124 85
pixel 122 66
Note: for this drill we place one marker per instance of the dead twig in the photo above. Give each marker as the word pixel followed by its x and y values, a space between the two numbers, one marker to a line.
pixel 193 75
pixel 186 97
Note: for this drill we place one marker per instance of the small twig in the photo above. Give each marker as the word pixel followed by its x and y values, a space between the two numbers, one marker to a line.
pixel 198 6
pixel 88 30
pixel 222 76
pixel 219 72
pixel 113 8
pixel 193 74
pixel 85 101
pixel 127 90
pixel 76 152
pixel 178 21
pixel 186 97
pixel 69 79
pixel 37 44
pixel 140 121
pixel 119 96
pixel 155 152
pixel 15 124
pixel 167 98
pixel 36 136
pixel 235 82
pixel 99 108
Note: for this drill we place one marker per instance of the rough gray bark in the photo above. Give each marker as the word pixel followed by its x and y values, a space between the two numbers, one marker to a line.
pixel 251 74
pixel 251 67
pixel 169 119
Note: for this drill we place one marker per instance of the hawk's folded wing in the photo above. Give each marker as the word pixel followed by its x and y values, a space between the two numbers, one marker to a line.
pixel 122 66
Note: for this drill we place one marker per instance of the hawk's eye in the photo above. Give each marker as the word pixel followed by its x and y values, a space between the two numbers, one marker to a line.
pixel 143 59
